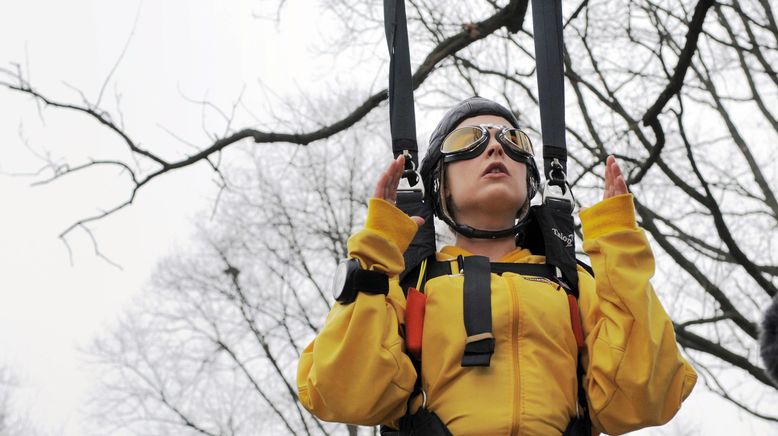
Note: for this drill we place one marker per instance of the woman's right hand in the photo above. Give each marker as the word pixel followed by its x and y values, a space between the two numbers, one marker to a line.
pixel 386 188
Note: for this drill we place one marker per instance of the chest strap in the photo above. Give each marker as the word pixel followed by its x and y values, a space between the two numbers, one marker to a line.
pixel 437 268
pixel 477 306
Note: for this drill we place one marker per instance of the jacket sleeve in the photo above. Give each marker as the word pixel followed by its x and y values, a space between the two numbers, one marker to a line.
pixel 635 374
pixel 356 370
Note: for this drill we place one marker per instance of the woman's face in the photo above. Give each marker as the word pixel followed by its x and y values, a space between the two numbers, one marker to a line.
pixel 492 185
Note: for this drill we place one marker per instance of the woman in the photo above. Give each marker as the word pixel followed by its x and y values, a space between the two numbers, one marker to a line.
pixel 357 371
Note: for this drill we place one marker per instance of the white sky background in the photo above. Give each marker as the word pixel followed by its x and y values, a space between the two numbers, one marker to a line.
pixel 48 308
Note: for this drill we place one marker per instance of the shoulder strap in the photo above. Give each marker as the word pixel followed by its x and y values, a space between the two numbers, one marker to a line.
pixel 402 118
pixel 547 23
pixel 585 266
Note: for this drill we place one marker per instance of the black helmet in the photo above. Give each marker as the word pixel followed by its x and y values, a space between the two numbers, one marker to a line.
pixel 432 166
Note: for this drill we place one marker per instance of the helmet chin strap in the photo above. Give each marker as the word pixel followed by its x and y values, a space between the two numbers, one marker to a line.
pixel 472 232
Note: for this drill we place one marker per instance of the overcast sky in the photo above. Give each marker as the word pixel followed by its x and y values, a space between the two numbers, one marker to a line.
pixel 49 309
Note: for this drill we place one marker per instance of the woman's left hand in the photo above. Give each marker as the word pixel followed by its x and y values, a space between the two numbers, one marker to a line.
pixel 614 179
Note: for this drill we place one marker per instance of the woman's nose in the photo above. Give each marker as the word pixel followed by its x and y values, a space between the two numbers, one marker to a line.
pixel 494 146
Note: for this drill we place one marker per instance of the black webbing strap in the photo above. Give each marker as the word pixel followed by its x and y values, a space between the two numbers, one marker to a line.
pixel 477 300
pixel 423 244
pixel 371 282
pixel 403 125
pixel 557 227
pixel 442 268
pixel 547 23
pixel 555 215
pixel 401 114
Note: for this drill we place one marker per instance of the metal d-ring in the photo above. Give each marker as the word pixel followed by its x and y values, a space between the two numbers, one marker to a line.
pixel 409 158
pixel 556 166
pixel 557 188
pixel 419 186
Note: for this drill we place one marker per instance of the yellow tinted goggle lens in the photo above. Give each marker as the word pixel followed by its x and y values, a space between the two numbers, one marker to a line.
pixel 461 139
pixel 520 140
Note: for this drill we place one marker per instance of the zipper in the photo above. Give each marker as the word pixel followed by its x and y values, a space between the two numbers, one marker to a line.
pixel 541 280
pixel 515 354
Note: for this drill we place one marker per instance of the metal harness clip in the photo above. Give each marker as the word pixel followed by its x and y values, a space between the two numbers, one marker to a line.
pixel 410 174
pixel 556 189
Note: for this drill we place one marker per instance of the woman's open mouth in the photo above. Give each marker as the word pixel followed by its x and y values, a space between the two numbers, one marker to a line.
pixel 495 170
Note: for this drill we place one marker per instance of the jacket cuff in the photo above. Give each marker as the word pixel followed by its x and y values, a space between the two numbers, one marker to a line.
pixel 391 223
pixel 610 215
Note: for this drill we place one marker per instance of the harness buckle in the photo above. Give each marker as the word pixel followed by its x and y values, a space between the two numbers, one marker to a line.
pixel 405 185
pixel 554 192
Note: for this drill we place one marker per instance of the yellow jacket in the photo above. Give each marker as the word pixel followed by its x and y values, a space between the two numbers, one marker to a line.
pixel 356 370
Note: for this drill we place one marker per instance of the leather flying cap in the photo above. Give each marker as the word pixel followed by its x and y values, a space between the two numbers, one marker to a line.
pixel 471 107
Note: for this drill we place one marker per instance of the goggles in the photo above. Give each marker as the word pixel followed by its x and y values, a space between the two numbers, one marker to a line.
pixel 470 141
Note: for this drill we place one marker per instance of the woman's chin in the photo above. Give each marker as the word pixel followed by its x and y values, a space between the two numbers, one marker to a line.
pixel 497 206
pixel 500 197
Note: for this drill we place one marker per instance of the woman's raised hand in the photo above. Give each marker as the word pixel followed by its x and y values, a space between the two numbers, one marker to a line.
pixel 386 188
pixel 614 179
